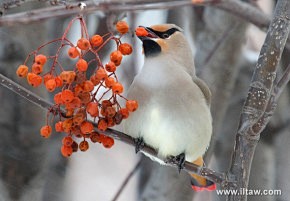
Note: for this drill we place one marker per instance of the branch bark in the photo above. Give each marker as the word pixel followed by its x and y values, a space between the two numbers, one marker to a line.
pixel 238 8
pixel 258 108
pixel 212 175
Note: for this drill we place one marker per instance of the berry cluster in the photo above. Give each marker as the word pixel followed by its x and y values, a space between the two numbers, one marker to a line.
pixel 77 99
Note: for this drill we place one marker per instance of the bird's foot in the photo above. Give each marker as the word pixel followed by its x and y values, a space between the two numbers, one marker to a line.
pixel 139 144
pixel 178 160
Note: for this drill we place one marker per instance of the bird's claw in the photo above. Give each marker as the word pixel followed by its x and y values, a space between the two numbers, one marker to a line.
pixel 178 160
pixel 139 144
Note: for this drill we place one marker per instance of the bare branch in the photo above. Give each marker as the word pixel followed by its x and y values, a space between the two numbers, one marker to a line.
pixel 212 175
pixel 259 96
pixel 238 8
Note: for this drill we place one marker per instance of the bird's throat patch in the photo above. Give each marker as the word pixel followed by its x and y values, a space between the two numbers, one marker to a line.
pixel 151 48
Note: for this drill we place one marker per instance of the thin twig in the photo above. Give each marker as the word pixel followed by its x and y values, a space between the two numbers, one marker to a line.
pixel 128 178
pixel 212 175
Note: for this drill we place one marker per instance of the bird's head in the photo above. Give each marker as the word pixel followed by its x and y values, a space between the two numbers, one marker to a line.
pixel 167 40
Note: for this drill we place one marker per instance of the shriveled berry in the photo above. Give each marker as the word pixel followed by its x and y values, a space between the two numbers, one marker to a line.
pixel 122 27
pixel 131 105
pixel 118 118
pixel 102 125
pixel 87 127
pixel 67 141
pixel 110 112
pixel 22 71
pixel 95 137
pixel 125 49
pixel 110 122
pixel 85 97
pixel 108 142
pixel 68 76
pixel 83 44
pixel 94 80
pixel 124 112
pixel 67 125
pixel 101 74
pixel 84 146
pixel 141 31
pixel 117 88
pixel 82 65
pixel 96 40
pixel 111 67
pixel 34 80
pixel 88 86
pixel 75 146
pixel 73 52
pixel 106 103
pixel 78 118
pixel 37 68
pixel 45 131
pixel 110 82
pixel 92 109
pixel 40 59
pixel 75 103
pixel 116 57
pixel 50 85
pixel 58 126
pixel 66 151
pixel 67 96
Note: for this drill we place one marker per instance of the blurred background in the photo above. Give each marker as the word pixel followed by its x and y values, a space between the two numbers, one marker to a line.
pixel 226 50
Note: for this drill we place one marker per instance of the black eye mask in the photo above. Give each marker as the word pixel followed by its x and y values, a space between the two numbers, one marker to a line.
pixel 164 34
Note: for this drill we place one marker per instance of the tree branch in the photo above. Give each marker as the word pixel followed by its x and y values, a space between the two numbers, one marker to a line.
pixel 259 97
pixel 212 175
pixel 238 8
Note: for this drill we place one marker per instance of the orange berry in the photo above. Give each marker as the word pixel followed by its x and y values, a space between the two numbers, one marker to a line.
pixel 106 103
pixel 34 80
pixel 50 85
pixel 58 126
pixel 92 109
pixel 84 146
pixel 88 86
pixel 73 52
pixel 78 118
pixel 87 127
pixel 107 142
pixel 67 141
pixel 75 103
pixel 67 96
pixel 117 88
pixel 141 31
pixel 58 81
pixel 67 125
pixel 111 67
pixel 66 151
pixel 116 57
pixel 95 137
pixel 82 65
pixel 45 131
pixel 57 98
pixel 83 44
pixel 22 71
pixel 131 105
pixel 102 125
pixel 37 68
pixel 96 40
pixel 101 74
pixel 69 111
pixel 67 76
pixel 47 77
pixel 124 112
pixel 122 27
pixel 40 59
pixel 109 82
pixel 85 97
pixel 110 122
pixel 125 48
pixel 110 112
pixel 94 80
pixel 78 89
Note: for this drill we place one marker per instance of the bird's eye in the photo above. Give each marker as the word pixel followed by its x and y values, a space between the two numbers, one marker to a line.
pixel 165 35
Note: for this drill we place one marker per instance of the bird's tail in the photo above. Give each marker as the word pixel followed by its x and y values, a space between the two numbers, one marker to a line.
pixel 199 183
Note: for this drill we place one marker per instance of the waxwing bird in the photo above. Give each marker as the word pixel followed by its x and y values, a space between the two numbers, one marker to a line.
pixel 174 104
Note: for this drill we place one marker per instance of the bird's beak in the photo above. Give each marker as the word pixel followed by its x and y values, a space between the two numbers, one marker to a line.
pixel 149 36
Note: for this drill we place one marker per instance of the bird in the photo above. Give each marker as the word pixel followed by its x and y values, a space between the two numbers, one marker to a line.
pixel 173 115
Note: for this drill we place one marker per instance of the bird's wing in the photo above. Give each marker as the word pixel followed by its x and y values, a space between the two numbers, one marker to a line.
pixel 204 89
